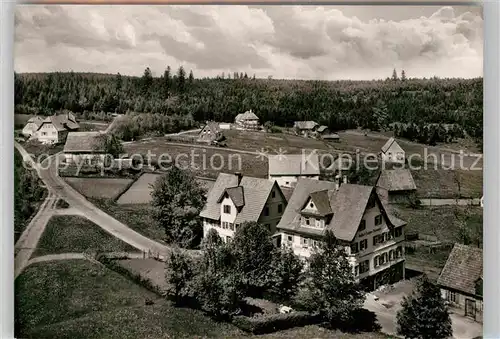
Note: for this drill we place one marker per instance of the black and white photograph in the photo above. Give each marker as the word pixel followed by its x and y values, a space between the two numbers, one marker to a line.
pixel 234 171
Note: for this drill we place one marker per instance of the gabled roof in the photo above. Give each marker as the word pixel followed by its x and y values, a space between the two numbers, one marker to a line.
pixel 396 180
pixel 322 128
pixel 213 126
pixel 321 201
pixel 37 120
pixel 462 269
pixel 251 194
pixel 61 122
pixel 388 144
pixel 305 124
pixel 84 142
pixel 348 205
pixel 236 194
pixel 294 164
pixel 248 115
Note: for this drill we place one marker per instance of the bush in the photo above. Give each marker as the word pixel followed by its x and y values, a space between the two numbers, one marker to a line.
pixel 275 322
pixel 61 203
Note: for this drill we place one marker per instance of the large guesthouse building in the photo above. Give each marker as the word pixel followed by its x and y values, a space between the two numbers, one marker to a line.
pixel 357 217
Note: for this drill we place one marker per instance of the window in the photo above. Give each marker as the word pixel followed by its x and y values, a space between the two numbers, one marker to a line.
pixel 378 220
pixel 364 266
pixel 311 205
pixel 362 226
pixel 382 259
pixel 399 252
pixel 392 255
pixel 273 194
pixel 375 261
pixel 231 226
pixel 289 238
pixel 266 211
pixel 388 236
pixel 363 245
pixel 227 209
pixel 356 270
pixel 305 242
pixel 354 248
pixel 287 183
pixel 451 296
pixel 280 208
pixel 228 239
pixel 307 221
pixel 44 133
pixel 376 240
pixel 398 232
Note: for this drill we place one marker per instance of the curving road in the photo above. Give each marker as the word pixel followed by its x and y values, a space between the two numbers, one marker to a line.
pixel 47 171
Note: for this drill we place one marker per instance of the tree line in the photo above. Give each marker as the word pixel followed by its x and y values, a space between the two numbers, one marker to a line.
pixel 338 104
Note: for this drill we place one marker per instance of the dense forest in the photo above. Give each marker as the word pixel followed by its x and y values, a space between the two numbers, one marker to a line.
pixel 422 104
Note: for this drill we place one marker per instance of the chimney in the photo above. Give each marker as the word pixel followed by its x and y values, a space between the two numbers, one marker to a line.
pixel 239 176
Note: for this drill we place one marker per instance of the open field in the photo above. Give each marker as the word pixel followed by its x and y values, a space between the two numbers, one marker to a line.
pixel 108 188
pixel 442 183
pixel 140 191
pixel 88 126
pixel 136 216
pixel 204 162
pixel 68 233
pixel 151 269
pixel 79 299
pixel 440 221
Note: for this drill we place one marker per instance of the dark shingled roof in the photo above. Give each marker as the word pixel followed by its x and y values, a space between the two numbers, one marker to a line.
pixel 348 205
pixel 236 194
pixel 462 269
pixel 322 202
pixel 84 142
pixel 255 192
pixel 322 128
pixel 396 180
pixel 61 122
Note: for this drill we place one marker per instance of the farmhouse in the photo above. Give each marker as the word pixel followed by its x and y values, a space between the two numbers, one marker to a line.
pixel 235 199
pixel 305 128
pixel 392 152
pixel 55 128
pixel 84 148
pixel 210 132
pixel 247 120
pixel 287 169
pixel 374 239
pixel 461 280
pixel 395 186
pixel 32 126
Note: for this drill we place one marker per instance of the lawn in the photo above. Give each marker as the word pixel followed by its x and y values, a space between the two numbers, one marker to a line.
pixel 68 233
pixel 79 299
pixel 40 151
pixel 204 162
pixel 442 183
pixel 86 126
pixel 108 188
pixel 140 191
pixel 136 216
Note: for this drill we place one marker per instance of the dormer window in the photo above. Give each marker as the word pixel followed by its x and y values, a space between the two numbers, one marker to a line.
pixel 227 209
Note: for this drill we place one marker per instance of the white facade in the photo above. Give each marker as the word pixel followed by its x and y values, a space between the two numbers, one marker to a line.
pixel 227 225
pixel 374 248
pixel 290 180
pixel 29 129
pixel 48 134
pixel 394 154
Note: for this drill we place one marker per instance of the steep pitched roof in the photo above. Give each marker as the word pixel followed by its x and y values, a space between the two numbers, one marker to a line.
pixel 87 142
pixel 37 120
pixel 248 115
pixel 236 194
pixel 294 164
pixel 321 201
pixel 251 195
pixel 462 269
pixel 396 180
pixel 305 124
pixel 61 122
pixel 213 126
pixel 348 205
pixel 388 145
pixel 212 208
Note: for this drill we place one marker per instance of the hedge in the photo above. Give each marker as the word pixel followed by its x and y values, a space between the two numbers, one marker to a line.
pixel 275 322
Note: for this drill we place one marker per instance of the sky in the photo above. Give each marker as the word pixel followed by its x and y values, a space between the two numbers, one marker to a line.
pixel 291 42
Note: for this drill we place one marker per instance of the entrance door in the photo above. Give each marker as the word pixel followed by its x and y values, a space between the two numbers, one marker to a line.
pixel 470 308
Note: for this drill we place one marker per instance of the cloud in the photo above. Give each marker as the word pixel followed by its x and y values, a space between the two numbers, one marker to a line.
pixel 282 41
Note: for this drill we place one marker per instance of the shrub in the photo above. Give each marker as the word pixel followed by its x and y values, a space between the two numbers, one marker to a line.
pixel 275 322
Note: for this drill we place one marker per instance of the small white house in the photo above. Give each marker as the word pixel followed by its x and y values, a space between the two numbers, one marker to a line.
pixel 32 126
pixel 287 169
pixel 392 152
